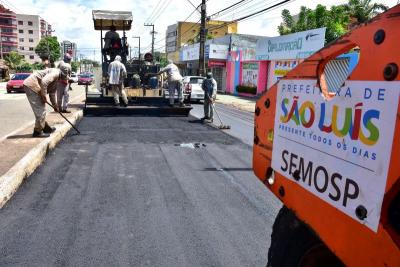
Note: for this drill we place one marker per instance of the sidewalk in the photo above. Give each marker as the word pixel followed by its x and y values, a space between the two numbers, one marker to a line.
pixel 241 103
pixel 21 154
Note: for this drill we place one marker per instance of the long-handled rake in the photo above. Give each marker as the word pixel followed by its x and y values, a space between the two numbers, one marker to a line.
pixel 221 126
pixel 65 118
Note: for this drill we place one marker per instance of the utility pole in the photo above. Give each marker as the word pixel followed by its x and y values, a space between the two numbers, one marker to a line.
pixel 138 37
pixel 152 37
pixel 1 44
pixel 202 38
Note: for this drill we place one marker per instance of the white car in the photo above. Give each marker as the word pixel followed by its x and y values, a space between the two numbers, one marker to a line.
pixel 74 77
pixel 193 85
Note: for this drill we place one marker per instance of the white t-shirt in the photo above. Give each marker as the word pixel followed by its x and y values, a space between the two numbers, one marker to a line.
pixel 172 72
pixel 116 71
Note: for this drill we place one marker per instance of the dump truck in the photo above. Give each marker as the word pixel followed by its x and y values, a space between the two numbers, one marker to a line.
pixel 142 85
pixel 328 147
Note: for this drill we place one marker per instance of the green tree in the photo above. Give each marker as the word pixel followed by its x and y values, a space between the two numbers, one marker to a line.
pixel 48 48
pixel 95 64
pixel 13 60
pixel 335 20
pixel 38 66
pixel 24 67
pixel 363 10
pixel 75 66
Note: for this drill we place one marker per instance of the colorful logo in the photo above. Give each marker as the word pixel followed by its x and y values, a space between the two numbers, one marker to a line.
pixel 305 114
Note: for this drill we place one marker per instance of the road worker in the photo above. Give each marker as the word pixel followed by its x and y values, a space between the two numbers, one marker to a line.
pixel 210 94
pixel 117 74
pixel 174 82
pixel 112 43
pixel 63 86
pixel 36 87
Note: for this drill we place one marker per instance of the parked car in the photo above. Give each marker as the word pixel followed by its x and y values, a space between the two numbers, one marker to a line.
pixel 166 93
pixel 192 85
pixel 74 77
pixel 85 78
pixel 16 83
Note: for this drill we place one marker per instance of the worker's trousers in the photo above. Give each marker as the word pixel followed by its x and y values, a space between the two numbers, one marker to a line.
pixel 208 109
pixel 62 96
pixel 172 86
pixel 118 90
pixel 38 107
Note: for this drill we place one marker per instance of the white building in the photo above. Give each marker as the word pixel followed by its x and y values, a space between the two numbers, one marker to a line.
pixel 31 28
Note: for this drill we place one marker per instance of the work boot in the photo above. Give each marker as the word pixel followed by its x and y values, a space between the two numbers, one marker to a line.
pixel 116 104
pixel 181 105
pixel 40 134
pixel 65 111
pixel 124 105
pixel 48 129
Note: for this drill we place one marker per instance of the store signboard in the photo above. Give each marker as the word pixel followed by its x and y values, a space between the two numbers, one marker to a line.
pixel 292 46
pixel 217 51
pixel 190 52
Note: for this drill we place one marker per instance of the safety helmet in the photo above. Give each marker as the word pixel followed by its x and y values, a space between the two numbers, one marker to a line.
pixel 209 75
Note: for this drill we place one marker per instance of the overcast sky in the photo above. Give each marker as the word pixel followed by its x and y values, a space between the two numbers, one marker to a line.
pixel 72 20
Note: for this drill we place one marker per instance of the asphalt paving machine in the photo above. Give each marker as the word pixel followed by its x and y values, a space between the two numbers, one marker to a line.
pixel 142 85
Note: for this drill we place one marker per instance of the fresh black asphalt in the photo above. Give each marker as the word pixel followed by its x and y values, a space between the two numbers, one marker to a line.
pixel 138 191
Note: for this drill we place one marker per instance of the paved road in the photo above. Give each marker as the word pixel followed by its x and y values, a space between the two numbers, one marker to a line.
pixel 241 122
pixel 15 111
pixel 126 192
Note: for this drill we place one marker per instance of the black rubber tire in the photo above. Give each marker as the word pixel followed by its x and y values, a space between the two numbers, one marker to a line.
pixel 293 243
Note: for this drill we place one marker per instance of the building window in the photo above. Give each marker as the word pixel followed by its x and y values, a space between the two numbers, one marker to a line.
pixel 30 40
pixel 30 31
pixel 21 48
pixel 30 23
pixel 32 57
pixel 20 22
pixel 30 48
pixel 21 31
pixel 21 40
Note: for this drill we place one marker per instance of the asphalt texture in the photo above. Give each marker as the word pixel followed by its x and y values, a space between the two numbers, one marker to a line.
pixel 241 122
pixel 139 191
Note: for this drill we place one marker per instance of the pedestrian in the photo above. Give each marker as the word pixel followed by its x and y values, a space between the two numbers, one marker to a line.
pixel 36 87
pixel 210 94
pixel 117 74
pixel 174 82
pixel 63 86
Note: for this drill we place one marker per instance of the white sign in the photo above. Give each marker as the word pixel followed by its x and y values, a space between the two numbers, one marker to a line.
pixel 338 150
pixel 215 51
pixel 291 46
pixel 190 52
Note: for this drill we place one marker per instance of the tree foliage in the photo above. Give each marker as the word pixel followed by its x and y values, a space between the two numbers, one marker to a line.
pixel 75 66
pixel 48 48
pixel 363 10
pixel 336 19
pixel 13 60
pixel 24 67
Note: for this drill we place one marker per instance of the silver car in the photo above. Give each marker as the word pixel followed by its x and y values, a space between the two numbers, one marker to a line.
pixel 192 85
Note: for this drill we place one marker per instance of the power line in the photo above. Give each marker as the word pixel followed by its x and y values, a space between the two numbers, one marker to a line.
pixel 152 13
pixel 192 5
pixel 161 11
pixel 222 10
pixel 248 9
pixel 252 14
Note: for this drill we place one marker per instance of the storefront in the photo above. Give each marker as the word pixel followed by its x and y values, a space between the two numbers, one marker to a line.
pixel 216 55
pixel 251 71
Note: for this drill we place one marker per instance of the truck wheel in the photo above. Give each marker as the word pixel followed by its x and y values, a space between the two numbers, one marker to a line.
pixel 293 243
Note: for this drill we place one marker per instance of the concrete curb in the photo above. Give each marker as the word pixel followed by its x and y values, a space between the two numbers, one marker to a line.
pixel 11 180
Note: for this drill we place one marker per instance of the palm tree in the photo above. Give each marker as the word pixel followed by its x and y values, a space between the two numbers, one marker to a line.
pixel 13 60
pixel 363 10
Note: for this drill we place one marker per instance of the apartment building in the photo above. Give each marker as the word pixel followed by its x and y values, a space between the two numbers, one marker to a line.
pixel 31 28
pixel 8 31
pixel 185 33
